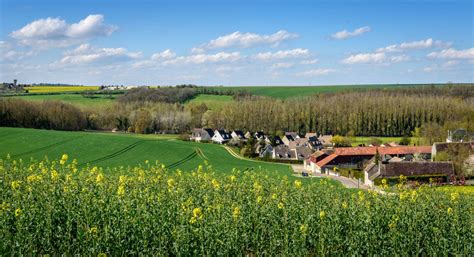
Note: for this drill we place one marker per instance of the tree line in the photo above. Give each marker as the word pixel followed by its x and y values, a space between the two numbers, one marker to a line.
pixel 369 113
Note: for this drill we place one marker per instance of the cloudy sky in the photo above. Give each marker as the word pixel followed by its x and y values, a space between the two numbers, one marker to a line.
pixel 229 42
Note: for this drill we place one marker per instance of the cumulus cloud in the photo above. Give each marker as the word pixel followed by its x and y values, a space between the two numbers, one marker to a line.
pixel 287 54
pixel 245 40
pixel 365 58
pixel 414 45
pixel 452 53
pixel 205 58
pixel 86 54
pixel 400 58
pixel 55 32
pixel 344 34
pixel 165 55
pixel 316 72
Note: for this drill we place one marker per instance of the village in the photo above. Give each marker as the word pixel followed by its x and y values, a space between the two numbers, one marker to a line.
pixel 369 164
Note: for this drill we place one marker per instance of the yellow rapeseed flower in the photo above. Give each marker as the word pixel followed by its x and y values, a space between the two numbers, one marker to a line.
pixel 122 179
pixel 298 184
pixel 215 184
pixel 15 184
pixel 121 190
pixel 274 196
pixel 236 213
pixel 93 230
pixel 450 210
pixel 344 205
pixel 280 205
pixel 5 206
pixel 18 212
pixel 63 159
pixel 454 196
pixel 102 255
pixel 197 212
pixel 54 175
pixel 99 179
pixel 232 178
pixel 322 214
pixel 171 183
pixel 259 199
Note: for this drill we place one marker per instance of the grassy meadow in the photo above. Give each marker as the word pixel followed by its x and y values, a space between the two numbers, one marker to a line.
pixel 75 99
pixel 213 102
pixel 115 150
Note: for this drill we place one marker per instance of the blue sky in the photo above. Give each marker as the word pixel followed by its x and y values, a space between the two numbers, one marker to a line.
pixel 236 42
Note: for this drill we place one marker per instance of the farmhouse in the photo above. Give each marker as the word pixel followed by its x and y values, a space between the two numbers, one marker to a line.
pixel 221 136
pixel 273 140
pixel 326 140
pixel 387 170
pixel 201 134
pixel 356 157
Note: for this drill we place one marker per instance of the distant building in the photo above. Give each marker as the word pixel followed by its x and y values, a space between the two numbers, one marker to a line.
pixel 221 136
pixel 201 134
pixel 459 135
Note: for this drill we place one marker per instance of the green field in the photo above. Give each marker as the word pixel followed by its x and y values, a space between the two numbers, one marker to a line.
pixel 213 102
pixel 294 91
pixel 75 99
pixel 115 150
pixel 56 89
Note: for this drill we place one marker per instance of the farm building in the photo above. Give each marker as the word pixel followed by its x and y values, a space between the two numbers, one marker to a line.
pixel 355 157
pixel 459 135
pixel 201 134
pixel 388 170
pixel 452 147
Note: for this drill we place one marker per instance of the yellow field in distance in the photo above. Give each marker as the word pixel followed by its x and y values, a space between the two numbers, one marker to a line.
pixel 55 89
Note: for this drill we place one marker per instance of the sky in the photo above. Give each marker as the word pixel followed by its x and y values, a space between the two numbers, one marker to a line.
pixel 237 43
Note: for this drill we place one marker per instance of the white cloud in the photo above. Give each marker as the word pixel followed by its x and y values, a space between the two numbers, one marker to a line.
pixel 316 72
pixel 365 58
pixel 400 58
pixel 306 62
pixel 288 54
pixel 86 54
pixel 282 65
pixel 344 34
pixel 451 63
pixel 205 58
pixel 165 55
pixel 55 32
pixel 414 45
pixel 452 53
pixel 245 40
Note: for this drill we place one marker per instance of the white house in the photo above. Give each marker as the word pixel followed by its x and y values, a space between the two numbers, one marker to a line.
pixel 221 136
pixel 202 134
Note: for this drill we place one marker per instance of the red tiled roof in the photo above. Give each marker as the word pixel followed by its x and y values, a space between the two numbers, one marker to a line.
pixel 347 151
pixel 354 151
pixel 326 160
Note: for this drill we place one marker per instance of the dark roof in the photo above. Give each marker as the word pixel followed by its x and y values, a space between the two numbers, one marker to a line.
pixel 282 151
pixel 209 131
pixel 239 133
pixel 290 137
pixel 224 134
pixel 441 147
pixel 259 134
pixel 395 169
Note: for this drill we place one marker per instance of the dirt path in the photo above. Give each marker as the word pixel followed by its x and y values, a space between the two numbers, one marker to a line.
pixel 347 182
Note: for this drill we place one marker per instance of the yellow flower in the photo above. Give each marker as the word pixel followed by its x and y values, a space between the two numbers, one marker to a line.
pixel 450 210
pixel 259 199
pixel 170 183
pixel 280 205
pixel 257 187
pixel 33 178
pixel 99 178
pixel 322 214
pixel 274 196
pixel 146 162
pixel 192 220
pixel 121 190
pixel 5 206
pixel 93 230
pixel 63 159
pixel 102 255
pixel 54 175
pixel 215 184
pixel 454 196
pixel 392 225
pixel 15 184
pixel 298 184
pixel 232 178
pixel 236 213
pixel 414 195
pixel 122 179
pixel 303 229
pixel 344 205
pixel 18 212
pixel 197 213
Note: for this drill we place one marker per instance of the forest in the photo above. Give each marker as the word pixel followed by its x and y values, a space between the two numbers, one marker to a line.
pixel 375 112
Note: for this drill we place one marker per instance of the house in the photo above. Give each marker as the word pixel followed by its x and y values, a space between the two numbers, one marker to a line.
pixel 287 139
pixel 313 141
pixel 221 136
pixel 259 135
pixel 265 151
pixel 283 152
pixel 356 157
pixel 459 135
pixel 238 135
pixel 201 134
pixel 273 140
pixel 326 140
pixel 409 169
pixel 303 152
